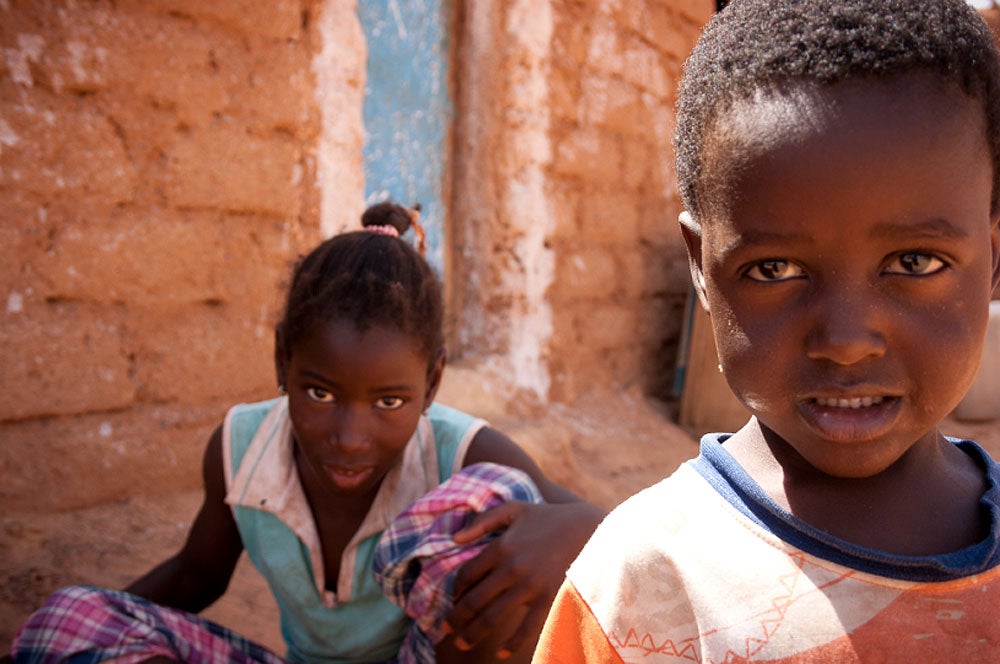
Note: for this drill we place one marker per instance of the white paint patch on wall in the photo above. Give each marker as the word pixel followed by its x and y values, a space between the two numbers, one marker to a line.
pixel 15 303
pixel 77 54
pixel 471 183
pixel 526 205
pixel 8 136
pixel 339 68
pixel 663 123
pixel 82 58
pixel 29 49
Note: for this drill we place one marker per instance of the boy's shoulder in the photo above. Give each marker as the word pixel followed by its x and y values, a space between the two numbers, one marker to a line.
pixel 976 451
pixel 677 516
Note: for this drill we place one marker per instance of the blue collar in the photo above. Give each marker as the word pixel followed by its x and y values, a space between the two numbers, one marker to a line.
pixel 722 471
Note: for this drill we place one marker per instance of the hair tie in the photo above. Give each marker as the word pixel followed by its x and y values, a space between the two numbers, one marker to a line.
pixel 383 230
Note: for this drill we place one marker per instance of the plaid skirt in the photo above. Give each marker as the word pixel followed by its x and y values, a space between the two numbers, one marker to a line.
pixel 84 624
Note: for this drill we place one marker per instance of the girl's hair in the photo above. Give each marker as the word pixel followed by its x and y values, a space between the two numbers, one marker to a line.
pixel 767 45
pixel 396 216
pixel 371 279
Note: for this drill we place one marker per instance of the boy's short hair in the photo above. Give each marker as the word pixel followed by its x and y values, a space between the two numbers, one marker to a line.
pixel 766 44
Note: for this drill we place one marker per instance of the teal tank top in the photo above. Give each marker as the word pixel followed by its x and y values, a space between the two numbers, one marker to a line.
pixel 367 627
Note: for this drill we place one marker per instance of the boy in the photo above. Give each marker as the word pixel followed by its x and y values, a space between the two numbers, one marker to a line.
pixel 838 163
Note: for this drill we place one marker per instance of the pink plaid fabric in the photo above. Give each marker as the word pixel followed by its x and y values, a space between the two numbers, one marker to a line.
pixel 83 624
pixel 416 560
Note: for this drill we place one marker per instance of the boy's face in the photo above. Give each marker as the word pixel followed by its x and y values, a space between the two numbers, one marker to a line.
pixel 848 263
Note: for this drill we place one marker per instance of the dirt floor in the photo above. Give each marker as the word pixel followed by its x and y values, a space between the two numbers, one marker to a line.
pixel 605 448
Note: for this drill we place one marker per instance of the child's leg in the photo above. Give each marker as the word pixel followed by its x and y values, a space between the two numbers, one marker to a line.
pixel 90 624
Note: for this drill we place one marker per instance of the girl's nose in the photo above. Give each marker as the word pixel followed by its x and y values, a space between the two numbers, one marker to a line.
pixel 845 327
pixel 350 430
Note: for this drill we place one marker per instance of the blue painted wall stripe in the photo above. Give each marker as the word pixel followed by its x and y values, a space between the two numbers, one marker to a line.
pixel 407 108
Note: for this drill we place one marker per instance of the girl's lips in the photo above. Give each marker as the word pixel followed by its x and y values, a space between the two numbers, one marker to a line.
pixel 851 419
pixel 348 478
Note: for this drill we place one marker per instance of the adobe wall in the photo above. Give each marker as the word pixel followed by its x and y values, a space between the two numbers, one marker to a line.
pixel 162 162
pixel 157 172
pixel 565 194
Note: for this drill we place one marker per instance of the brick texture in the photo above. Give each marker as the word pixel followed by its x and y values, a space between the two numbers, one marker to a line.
pixel 156 172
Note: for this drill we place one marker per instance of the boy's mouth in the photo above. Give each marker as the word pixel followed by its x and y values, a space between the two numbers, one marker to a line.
pixel 851 419
pixel 853 402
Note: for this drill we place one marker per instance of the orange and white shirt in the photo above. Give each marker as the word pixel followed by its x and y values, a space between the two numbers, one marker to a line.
pixel 704 567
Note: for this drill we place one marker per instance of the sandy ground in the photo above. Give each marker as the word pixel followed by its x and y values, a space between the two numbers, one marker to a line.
pixel 605 448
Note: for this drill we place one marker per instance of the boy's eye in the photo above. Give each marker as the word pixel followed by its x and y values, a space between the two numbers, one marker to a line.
pixel 318 394
pixel 915 263
pixel 774 270
pixel 389 403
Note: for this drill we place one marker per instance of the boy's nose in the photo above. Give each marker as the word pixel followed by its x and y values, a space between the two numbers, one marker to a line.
pixel 845 327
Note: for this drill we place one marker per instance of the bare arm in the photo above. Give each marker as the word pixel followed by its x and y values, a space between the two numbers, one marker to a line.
pixel 200 572
pixel 506 590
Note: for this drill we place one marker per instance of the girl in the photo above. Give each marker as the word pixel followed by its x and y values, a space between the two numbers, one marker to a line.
pixel 306 484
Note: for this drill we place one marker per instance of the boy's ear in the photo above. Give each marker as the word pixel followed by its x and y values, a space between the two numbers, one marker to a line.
pixel 691 230
pixel 995 245
pixel 280 357
pixel 434 377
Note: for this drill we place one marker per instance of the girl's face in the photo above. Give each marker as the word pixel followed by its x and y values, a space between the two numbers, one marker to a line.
pixel 354 400
pixel 849 265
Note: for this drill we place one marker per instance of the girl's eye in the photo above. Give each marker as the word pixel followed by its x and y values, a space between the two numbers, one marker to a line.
pixel 389 403
pixel 774 270
pixel 319 395
pixel 916 264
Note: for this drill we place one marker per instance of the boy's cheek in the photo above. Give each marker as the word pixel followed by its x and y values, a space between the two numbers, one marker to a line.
pixel 737 335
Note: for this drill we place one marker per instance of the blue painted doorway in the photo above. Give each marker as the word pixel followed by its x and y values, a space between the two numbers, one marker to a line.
pixel 408 109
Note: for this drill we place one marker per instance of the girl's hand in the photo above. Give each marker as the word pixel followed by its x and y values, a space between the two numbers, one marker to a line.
pixel 510 585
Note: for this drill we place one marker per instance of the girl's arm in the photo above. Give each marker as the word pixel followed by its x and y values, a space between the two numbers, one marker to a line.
pixel 200 572
pixel 507 589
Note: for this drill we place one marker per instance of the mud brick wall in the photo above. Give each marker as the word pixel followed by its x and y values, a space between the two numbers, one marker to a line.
pixel 621 264
pixel 156 181
pixel 565 193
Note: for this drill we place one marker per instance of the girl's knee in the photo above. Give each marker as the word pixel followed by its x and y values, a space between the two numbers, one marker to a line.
pixel 77 600
pixel 78 594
